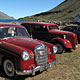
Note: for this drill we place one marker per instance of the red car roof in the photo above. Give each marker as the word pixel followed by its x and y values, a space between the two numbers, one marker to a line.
pixel 9 25
pixel 40 23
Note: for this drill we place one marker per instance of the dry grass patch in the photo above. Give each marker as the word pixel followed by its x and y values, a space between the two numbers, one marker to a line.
pixel 67 68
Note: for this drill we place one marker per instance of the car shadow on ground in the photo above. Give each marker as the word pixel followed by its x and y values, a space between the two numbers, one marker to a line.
pixel 3 77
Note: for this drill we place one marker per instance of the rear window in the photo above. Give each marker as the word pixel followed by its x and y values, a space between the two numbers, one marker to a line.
pixel 53 27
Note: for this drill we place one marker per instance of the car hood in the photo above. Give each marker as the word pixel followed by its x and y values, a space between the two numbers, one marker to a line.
pixel 56 31
pixel 23 42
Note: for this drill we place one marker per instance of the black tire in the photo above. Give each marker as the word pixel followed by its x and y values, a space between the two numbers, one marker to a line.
pixel 9 68
pixel 60 48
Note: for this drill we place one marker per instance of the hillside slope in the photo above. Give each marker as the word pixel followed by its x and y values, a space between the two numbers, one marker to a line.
pixel 5 16
pixel 65 11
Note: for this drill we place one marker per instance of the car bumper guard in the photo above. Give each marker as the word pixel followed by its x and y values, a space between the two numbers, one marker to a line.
pixel 35 69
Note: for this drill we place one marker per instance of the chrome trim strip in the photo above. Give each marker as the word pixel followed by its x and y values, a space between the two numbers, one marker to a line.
pixel 35 69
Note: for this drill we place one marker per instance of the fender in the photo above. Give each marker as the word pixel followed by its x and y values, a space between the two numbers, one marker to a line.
pixel 12 52
pixel 8 50
pixel 49 45
pixel 66 43
pixel 11 48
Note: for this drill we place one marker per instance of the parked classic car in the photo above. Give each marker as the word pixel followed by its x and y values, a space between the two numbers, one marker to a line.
pixel 74 29
pixel 22 55
pixel 65 41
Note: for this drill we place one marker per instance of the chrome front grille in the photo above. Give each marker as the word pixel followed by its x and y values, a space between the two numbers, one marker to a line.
pixel 41 57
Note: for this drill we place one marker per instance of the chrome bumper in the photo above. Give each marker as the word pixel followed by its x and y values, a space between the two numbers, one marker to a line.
pixel 35 69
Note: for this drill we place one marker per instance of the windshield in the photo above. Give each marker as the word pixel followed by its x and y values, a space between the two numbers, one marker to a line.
pixel 13 32
pixel 53 27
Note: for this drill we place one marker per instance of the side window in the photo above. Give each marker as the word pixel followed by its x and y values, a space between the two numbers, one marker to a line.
pixel 21 32
pixel 71 28
pixel 67 28
pixel 40 28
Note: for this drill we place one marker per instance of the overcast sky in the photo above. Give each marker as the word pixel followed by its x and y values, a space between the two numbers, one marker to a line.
pixel 22 8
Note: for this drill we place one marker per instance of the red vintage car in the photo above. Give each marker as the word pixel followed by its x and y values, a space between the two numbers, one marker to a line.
pixel 22 55
pixel 49 32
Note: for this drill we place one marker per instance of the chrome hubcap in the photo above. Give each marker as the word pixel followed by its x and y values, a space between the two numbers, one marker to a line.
pixel 9 67
pixel 59 48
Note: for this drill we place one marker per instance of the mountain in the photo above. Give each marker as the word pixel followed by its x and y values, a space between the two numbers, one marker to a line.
pixel 5 16
pixel 63 12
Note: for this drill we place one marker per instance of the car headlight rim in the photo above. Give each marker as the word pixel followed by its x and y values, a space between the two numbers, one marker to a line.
pixel 25 55
pixel 54 49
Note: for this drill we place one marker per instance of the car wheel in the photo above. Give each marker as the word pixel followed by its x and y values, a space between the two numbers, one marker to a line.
pixel 9 68
pixel 60 48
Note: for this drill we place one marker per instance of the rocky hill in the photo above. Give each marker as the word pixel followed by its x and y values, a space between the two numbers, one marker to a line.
pixel 63 12
pixel 5 16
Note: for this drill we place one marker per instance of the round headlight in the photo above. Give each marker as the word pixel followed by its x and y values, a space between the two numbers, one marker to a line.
pixel 54 49
pixel 25 55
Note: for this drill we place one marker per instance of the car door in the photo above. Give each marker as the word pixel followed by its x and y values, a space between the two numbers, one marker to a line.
pixel 40 32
